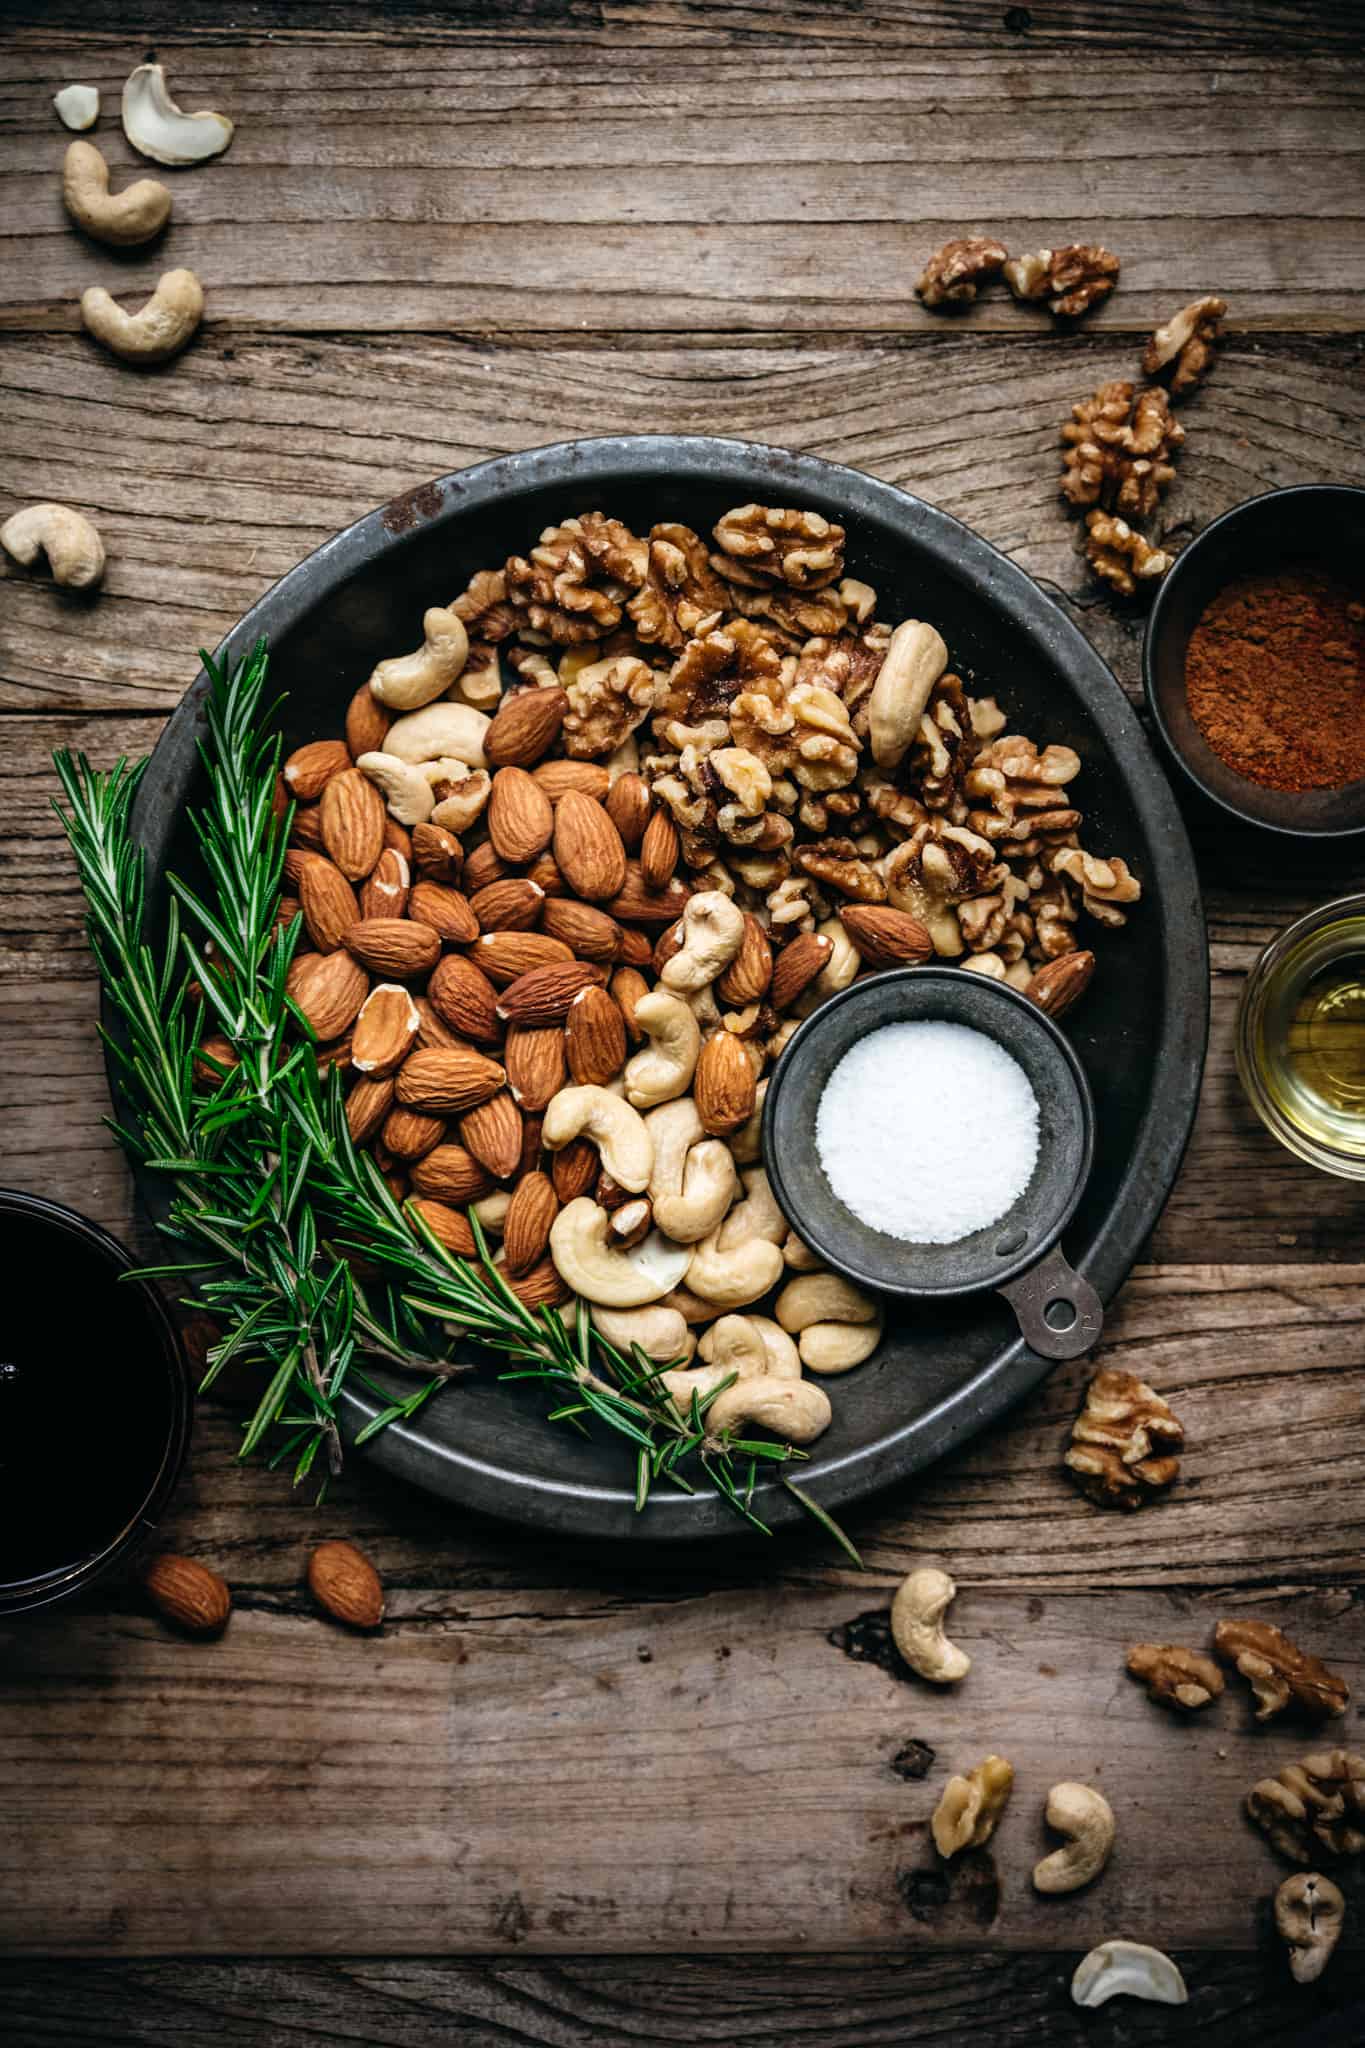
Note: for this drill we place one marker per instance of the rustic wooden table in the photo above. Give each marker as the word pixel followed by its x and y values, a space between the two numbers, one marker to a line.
pixel 581 1798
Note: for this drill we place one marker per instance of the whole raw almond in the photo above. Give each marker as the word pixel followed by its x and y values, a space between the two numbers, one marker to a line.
pixel 399 838
pixel 885 937
pixel 1060 983
pixel 796 967
pixel 394 945
pixel 574 1170
pixel 329 989
pixel 492 1132
pixel 587 777
pixel 543 995
pixel 446 1225
pixel 444 1081
pixel 747 978
pixel 636 948
pixel 437 855
pixel 659 851
pixel 385 1031
pixel 296 859
pixel 627 986
pixel 636 904
pixel 628 805
pixel 385 891
pixel 367 723
pixel 306 830
pixel 526 1226
pixel 446 910
pixel 544 872
pixel 542 1287
pixel 410 1134
pixel 511 905
pixel 595 1037
pixel 465 999
pixel 520 816
pixel 534 1056
pixel 309 769
pixel 724 1085
pixel 450 1174
pixel 286 910
pixel 188 1594
pixel 483 866
pixel 344 1582
pixel 337 1054
pixel 588 848
pixel 367 1105
pixel 328 903
pixel 588 932
pixel 351 819
pixel 525 726
pixel 504 956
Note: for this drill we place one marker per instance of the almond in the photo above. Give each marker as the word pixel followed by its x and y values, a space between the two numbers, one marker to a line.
pixel 1060 983
pixel 409 1134
pixel 394 945
pixel 512 905
pixel 344 1582
pixel 574 1170
pixel 329 989
pixel 635 904
pixel 588 847
pixel 306 830
pixel 747 978
pixel 384 893
pixel 627 987
pixel 636 950
pixel 432 1028
pixel 188 1594
pixel 492 1133
pixel 505 955
pixel 446 910
pixel 399 838
pixel 520 816
pixel 659 851
pixel 544 872
pixel 885 937
pixel 367 723
pixel 532 1126
pixel 542 1287
pixel 367 1105
pixel 385 1031
pixel 444 1081
pixel 328 903
pixel 464 998
pixel 279 800
pixel 628 805
pixel 535 1060
pixel 588 932
pixel 544 994
pixel 796 967
pixel 337 1054
pixel 296 860
pixel 555 777
pixel 724 1085
pixel 446 1225
pixel 482 866
pixel 525 726
pixel 352 823
pixel 595 1036
pixel 286 910
pixel 437 855
pixel 450 1174
pixel 397 1185
pixel 215 1058
pixel 526 1226
pixel 665 946
pixel 309 769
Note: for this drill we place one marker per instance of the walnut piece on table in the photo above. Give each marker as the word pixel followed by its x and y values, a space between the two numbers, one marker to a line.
pixel 1118 448
pixel 1121 555
pixel 1072 279
pixel 1184 1679
pixel 1314 1805
pixel 954 272
pixel 1280 1674
pixel 1124 1442
pixel 971 1806
pixel 1182 351
pixel 765 545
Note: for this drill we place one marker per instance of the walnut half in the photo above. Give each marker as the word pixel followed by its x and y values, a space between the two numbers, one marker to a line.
pixel 953 273
pixel 1124 1442
pixel 1181 352
pixel 1280 1673
pixel 1071 279
pixel 1314 1805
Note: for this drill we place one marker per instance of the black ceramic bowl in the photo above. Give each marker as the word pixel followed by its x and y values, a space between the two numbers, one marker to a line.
pixel 1323 523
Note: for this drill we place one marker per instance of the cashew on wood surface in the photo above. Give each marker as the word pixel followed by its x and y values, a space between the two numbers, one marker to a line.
pixel 123 219
pixel 74 550
pixel 157 127
pixel 1309 1912
pixel 1087 1819
pixel 922 1599
pixel 406 682
pixel 1130 1969
pixel 158 330
pixel 78 106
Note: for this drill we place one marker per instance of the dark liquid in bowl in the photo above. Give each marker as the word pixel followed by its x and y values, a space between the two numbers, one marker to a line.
pixel 87 1405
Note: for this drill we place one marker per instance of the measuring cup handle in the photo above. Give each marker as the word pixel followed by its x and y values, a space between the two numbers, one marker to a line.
pixel 1052 1283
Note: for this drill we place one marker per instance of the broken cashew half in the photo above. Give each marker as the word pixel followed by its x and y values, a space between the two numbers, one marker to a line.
pixel 660 1332
pixel 122 219
pixel 712 932
pixel 74 550
pixel 1087 1818
pixel 404 788
pixel 587 1259
pixel 917 1614
pixel 663 1070
pixel 733 1278
pixel 915 660
pixel 78 106
pixel 618 1131
pixel 693 1180
pixel 157 128
pixel 158 331
pixel 408 681
pixel 1309 1910
pixel 1119 1968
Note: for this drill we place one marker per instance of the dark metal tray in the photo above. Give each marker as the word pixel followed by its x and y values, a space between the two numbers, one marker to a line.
pixel 944 1371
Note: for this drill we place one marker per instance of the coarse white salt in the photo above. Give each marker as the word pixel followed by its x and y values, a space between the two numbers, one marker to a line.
pixel 928 1131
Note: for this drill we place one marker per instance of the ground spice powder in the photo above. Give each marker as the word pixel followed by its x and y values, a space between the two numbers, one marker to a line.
pixel 1275 677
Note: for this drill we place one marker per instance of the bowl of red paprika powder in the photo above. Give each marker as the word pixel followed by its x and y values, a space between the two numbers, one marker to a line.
pixel 1254 661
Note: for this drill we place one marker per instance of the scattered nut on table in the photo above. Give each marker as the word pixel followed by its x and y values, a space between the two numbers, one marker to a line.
pixel 971 1806
pixel 1184 1679
pixel 1309 1914
pixel 1313 1805
pixel 1087 1819
pixel 1118 1969
pixel 954 273
pixel 1182 351
pixel 157 128
pixel 70 541
pixel 1124 1441
pixel 158 330
pixel 922 1599
pixel 1280 1674
pixel 78 106
pixel 1071 279
pixel 123 219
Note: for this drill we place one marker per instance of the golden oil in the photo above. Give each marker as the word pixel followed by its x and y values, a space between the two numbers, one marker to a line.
pixel 1301 1037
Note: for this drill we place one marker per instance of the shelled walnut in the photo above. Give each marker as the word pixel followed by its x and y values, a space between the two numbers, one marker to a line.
pixel 1185 1679
pixel 1125 1441
pixel 1280 1674
pixel 1071 279
pixel 1118 449
pixel 763 545
pixel 953 273
pixel 1312 1806
pixel 1181 352
pixel 1121 556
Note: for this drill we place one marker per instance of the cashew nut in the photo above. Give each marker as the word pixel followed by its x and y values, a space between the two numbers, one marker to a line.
pixel 664 1068
pixel 408 681
pixel 838 1347
pixel 78 106
pixel 915 659
pixel 693 1181
pixel 440 732
pixel 459 793
pixel 917 1614
pixel 792 1409
pixel 733 1278
pixel 74 550
pixel 746 1144
pixel 756 1216
pixel 585 1257
pixel 491 1210
pixel 750 1347
pixel 618 1131
pixel 660 1332
pixel 124 218
pixel 1117 1968
pixel 798 1255
pixel 1087 1818
pixel 735 1346
pixel 783 1361
pixel 1309 1911
pixel 155 333
pixel 712 932
pixel 823 1298
pixel 842 967
pixel 157 128
pixel 404 788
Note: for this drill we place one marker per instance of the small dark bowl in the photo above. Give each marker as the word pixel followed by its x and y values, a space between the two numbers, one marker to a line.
pixel 1318 522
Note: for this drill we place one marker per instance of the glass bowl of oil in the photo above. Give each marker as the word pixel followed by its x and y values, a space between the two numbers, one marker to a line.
pixel 1301 1037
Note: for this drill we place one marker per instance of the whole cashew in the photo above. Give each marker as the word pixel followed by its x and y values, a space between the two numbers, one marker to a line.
pixel 124 218
pixel 735 1346
pixel 746 1144
pixel 734 1278
pixel 408 681
pixel 915 660
pixel 663 1070
pixel 842 967
pixel 466 791
pixel 1119 1968
pixel 792 1409
pixel 1087 1818
pixel 783 1360
pixel 618 1131
pixel 917 1614
pixel 756 1216
pixel 1309 1911
pixel 585 1257
pixel 74 550
pixel 491 1210
pixel 712 932
pixel 660 1332
pixel 404 788
pixel 823 1298
pixel 799 1255
pixel 158 331
pixel 750 1347
pixel 693 1181
pixel 838 1347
